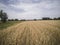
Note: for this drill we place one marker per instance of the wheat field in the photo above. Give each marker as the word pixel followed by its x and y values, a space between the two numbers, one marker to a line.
pixel 32 33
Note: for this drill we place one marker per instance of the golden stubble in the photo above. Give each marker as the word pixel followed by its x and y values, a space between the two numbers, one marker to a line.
pixel 32 33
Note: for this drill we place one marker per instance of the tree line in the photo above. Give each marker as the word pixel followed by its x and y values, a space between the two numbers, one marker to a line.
pixel 4 18
pixel 47 18
pixel 44 18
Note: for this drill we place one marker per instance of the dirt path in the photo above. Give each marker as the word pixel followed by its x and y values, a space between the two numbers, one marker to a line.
pixel 31 33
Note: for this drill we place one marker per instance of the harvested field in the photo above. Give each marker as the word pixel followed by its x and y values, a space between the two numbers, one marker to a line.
pixel 32 33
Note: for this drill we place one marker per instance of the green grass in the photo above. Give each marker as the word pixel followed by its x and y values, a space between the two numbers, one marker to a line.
pixel 7 24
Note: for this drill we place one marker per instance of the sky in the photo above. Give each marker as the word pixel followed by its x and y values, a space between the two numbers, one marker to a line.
pixel 30 9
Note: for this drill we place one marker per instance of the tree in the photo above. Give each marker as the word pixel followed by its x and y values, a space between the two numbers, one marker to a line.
pixel 1 13
pixel 58 18
pixel 35 19
pixel 22 20
pixel 3 16
pixel 16 19
pixel 55 19
pixel 46 18
pixel 12 20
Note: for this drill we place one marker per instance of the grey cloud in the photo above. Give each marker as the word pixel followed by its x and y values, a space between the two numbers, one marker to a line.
pixel 35 8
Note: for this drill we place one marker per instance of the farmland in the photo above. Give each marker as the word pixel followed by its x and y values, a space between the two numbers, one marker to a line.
pixel 32 33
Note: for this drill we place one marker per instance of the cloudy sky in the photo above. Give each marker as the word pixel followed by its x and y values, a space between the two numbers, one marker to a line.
pixel 31 9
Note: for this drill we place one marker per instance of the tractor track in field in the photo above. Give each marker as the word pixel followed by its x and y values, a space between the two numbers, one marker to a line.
pixel 31 33
pixel 20 37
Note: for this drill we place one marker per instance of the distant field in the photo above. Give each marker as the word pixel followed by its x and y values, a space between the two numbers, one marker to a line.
pixel 45 32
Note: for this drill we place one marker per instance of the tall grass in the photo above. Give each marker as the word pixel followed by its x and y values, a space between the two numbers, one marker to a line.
pixel 7 24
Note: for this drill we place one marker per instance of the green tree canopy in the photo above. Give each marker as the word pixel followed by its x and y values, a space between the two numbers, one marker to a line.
pixel 3 16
